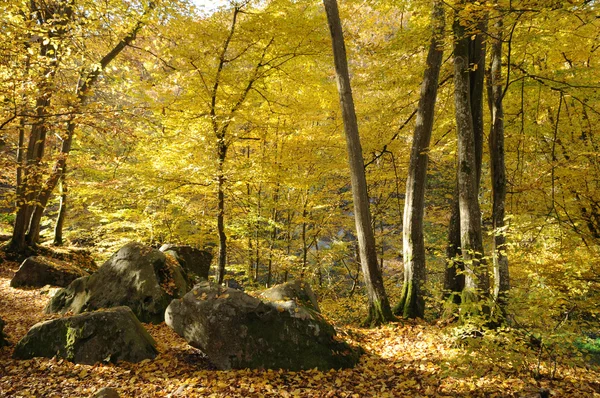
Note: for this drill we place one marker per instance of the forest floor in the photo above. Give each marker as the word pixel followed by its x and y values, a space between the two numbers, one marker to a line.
pixel 401 360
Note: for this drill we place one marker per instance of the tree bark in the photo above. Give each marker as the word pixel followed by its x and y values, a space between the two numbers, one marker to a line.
pixel 62 210
pixel 379 307
pixel 454 280
pixel 44 195
pixel 454 277
pixel 476 276
pixel 412 303
pixel 222 154
pixel 497 165
pixel 477 52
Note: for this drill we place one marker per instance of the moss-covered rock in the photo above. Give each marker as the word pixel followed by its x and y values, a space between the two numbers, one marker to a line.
pixel 39 271
pixel 137 276
pixel 102 336
pixel 195 262
pixel 236 330
pixel 298 290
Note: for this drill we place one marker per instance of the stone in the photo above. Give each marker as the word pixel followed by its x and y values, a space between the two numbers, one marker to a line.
pixel 194 261
pixel 39 271
pixel 102 336
pixel 232 283
pixel 137 276
pixel 237 331
pixel 297 290
pixel 106 392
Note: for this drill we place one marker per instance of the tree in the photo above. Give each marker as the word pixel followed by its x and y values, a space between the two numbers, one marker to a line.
pixel 496 92
pixel 379 307
pixel 34 195
pixel 471 240
pixel 469 51
pixel 412 303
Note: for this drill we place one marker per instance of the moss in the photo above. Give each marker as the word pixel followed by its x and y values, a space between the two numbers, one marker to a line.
pixel 410 304
pixel 73 334
pixel 378 314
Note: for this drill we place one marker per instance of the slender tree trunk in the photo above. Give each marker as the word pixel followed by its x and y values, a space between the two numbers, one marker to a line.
pixel 454 278
pixel 257 231
pixel 379 307
pixel 250 270
pixel 477 51
pixel 18 237
pixel 222 261
pixel 476 277
pixel 412 303
pixel 274 216
pixel 45 194
pixel 304 240
pixel 497 166
pixel 62 210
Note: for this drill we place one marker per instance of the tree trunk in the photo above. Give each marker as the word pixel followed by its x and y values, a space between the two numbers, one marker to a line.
pixel 31 175
pixel 44 195
pixel 477 50
pixel 412 303
pixel 476 277
pixel 18 238
pixel 304 240
pixel 62 210
pixel 454 278
pixel 257 232
pixel 379 307
pixel 222 154
pixel 274 217
pixel 497 166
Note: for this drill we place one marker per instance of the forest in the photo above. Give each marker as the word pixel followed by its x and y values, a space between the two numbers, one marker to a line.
pixel 300 198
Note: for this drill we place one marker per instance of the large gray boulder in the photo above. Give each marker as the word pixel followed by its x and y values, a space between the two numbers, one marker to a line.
pixel 236 331
pixel 194 261
pixel 298 290
pixel 137 276
pixel 103 336
pixel 39 271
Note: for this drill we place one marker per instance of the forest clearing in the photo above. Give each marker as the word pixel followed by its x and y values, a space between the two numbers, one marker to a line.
pixel 247 198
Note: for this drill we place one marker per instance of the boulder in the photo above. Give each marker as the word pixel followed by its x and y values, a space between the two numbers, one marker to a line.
pixel 232 283
pixel 236 331
pixel 194 261
pixel 3 339
pixel 137 276
pixel 103 336
pixel 39 271
pixel 106 392
pixel 297 290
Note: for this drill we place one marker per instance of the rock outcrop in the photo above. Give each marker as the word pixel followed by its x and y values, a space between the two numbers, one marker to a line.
pixel 297 290
pixel 103 336
pixel 236 330
pixel 137 276
pixel 195 262
pixel 39 271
